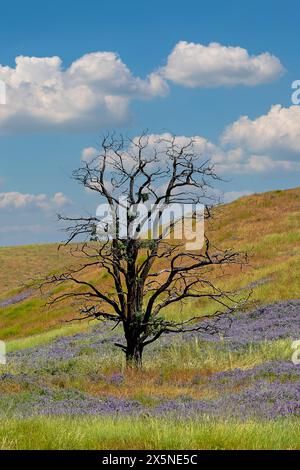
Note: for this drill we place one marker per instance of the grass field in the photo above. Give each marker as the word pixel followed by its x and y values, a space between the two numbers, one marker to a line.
pixel 116 433
pixel 65 386
pixel 267 226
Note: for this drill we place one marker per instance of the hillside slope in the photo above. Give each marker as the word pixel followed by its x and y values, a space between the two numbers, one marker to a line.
pixel 266 225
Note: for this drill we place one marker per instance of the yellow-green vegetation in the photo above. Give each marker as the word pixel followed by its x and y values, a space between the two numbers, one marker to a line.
pixel 47 337
pixel 266 226
pixel 170 373
pixel 67 366
pixel 146 433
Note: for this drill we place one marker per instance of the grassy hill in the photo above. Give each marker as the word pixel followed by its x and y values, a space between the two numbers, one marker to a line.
pixel 66 387
pixel 267 226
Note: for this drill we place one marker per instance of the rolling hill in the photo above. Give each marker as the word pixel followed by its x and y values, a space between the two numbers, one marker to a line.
pixel 266 226
pixel 65 386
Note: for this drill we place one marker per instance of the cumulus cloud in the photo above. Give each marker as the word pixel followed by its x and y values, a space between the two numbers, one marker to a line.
pixel 260 164
pixel 16 200
pixel 96 90
pixel 241 161
pixel 27 218
pixel 196 65
pixel 200 144
pixel 278 129
pixel 240 150
pixel 269 142
pixel 233 161
pixel 88 154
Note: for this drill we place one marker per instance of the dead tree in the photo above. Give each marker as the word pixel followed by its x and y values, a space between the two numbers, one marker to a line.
pixel 147 274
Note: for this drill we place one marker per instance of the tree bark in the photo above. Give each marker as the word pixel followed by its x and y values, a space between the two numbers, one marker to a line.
pixel 134 353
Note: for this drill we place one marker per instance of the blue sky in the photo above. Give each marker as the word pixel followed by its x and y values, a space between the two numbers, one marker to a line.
pixel 197 90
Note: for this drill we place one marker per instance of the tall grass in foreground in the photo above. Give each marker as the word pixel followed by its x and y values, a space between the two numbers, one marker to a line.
pixel 146 433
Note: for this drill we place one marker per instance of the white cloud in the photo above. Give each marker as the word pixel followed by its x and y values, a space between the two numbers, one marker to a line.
pixel 196 65
pixel 234 159
pixel 16 200
pixel 269 142
pixel 263 163
pixel 230 196
pixel 59 199
pixel 247 163
pixel 96 90
pixel 88 154
pixel 200 144
pixel 279 129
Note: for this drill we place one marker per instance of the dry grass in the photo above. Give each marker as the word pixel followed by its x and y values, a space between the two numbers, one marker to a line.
pixel 267 226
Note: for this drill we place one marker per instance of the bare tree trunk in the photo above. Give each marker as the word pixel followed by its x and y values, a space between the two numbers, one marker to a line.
pixel 134 348
pixel 134 358
pixel 134 354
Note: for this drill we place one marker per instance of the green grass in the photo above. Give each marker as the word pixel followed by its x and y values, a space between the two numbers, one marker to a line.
pixel 182 369
pixel 146 433
pixel 249 224
pixel 47 337
pixel 28 318
pixel 199 355
pixel 168 372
